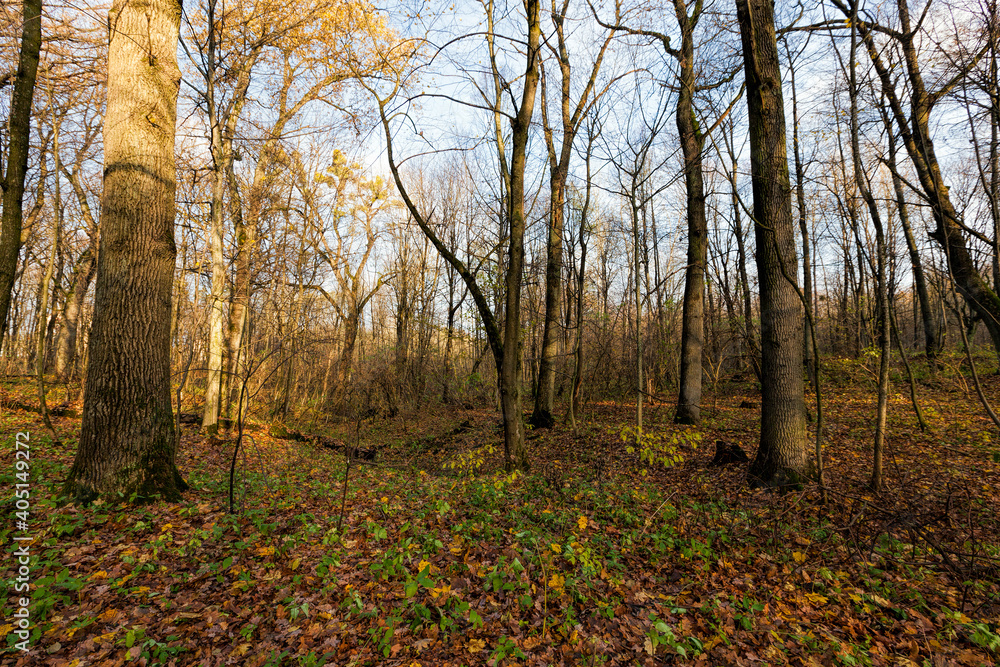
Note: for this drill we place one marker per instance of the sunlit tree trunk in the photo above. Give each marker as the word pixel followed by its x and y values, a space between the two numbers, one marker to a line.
pixel 127 441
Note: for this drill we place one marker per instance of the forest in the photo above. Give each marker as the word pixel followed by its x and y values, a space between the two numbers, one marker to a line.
pixel 500 332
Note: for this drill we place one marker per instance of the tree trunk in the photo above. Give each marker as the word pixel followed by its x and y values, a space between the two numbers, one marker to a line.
pixel 782 457
pixel 559 161
pixel 916 134
pixel 127 443
pixel 19 128
pixel 346 362
pixel 217 316
pixel 240 298
pixel 83 273
pixel 636 289
pixel 932 343
pixel 541 417
pixel 515 453
pixel 693 318
pixel 800 199
pixel 881 279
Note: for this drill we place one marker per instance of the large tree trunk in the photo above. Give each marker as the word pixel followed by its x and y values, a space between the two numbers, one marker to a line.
pixel 127 443
pixel 782 457
pixel 19 126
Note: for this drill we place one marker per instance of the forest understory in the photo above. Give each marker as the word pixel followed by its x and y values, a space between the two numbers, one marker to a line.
pixel 602 554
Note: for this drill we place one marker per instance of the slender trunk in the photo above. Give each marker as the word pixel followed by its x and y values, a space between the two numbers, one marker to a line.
pixel 881 281
pixel 83 273
pixel 545 395
pixel 43 307
pixel 800 198
pixel 18 147
pixel 932 344
pixel 578 351
pixel 216 320
pixel 217 315
pixel 637 322
pixel 516 454
pixel 693 318
pixel 749 331
pixel 240 298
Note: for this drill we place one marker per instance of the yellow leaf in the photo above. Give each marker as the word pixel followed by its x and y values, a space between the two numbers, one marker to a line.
pixel 475 645
pixel 556 548
pixel 101 574
pixel 295 563
pixel 581 522
pixel 107 615
pixel 166 527
pixel 441 592
pixel 799 556
pixel 265 551
pixel 556 581
pixel 816 598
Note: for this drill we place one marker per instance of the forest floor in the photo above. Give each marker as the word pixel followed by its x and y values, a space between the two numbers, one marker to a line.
pixel 601 555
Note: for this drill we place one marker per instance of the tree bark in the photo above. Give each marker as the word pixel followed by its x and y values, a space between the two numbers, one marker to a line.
pixel 692 143
pixel 19 126
pixel 127 443
pixel 510 368
pixel 782 458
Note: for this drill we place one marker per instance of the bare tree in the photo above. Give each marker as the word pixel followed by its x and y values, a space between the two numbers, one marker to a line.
pixel 19 125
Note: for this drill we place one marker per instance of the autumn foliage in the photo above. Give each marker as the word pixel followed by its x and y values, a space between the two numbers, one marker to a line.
pixel 603 554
